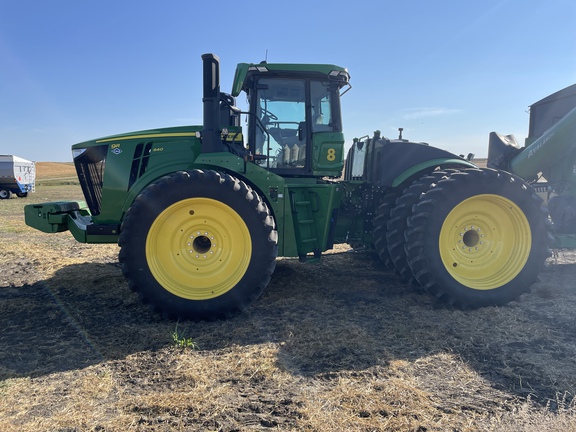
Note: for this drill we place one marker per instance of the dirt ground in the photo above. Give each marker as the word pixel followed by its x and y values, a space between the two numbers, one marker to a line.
pixel 337 345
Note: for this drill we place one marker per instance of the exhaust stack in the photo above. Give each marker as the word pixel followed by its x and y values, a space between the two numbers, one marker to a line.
pixel 211 141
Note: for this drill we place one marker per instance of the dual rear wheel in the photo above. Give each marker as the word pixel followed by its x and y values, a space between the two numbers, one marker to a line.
pixel 474 238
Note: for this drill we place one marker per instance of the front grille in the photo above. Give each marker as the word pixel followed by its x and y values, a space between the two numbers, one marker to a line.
pixel 90 169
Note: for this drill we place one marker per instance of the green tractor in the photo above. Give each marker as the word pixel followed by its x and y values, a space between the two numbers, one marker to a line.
pixel 201 212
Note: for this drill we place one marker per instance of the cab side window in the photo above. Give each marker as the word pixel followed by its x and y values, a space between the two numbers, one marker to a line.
pixel 321 107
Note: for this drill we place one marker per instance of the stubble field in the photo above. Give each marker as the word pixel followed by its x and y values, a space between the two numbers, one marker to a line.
pixel 341 345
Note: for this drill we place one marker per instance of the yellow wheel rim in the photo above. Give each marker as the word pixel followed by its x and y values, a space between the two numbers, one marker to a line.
pixel 485 242
pixel 198 248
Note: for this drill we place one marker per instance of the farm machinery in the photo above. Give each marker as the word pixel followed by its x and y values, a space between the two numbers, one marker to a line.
pixel 201 212
pixel 17 176
pixel 547 161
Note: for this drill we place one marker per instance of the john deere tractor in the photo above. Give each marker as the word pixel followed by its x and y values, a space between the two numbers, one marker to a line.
pixel 201 212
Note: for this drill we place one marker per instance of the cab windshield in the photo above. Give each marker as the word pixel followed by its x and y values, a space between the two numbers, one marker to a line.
pixel 283 129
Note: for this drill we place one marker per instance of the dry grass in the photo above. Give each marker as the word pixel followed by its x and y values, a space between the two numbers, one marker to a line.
pixel 50 170
pixel 336 346
pixel 55 173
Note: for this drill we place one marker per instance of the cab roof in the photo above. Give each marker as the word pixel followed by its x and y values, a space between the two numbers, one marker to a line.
pixel 243 70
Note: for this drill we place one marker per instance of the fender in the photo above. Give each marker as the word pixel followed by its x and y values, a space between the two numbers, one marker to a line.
pixel 389 163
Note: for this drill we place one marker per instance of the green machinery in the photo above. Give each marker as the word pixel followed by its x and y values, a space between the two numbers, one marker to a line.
pixel 547 161
pixel 201 212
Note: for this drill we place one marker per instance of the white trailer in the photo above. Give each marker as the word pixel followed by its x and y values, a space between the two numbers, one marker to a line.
pixel 17 176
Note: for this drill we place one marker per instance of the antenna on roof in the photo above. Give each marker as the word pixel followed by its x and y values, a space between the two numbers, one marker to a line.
pixel 266 58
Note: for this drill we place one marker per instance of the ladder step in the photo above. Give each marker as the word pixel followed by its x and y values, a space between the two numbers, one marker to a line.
pixel 302 202
pixel 310 240
pixel 306 222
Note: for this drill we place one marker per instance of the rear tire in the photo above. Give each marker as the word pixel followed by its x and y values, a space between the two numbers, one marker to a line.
pixel 478 238
pixel 198 245
pixel 380 228
pixel 5 194
pixel 398 221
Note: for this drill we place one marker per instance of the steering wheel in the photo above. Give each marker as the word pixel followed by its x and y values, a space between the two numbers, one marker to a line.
pixel 268 114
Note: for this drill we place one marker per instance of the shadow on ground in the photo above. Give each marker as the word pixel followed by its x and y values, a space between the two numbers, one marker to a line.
pixel 343 314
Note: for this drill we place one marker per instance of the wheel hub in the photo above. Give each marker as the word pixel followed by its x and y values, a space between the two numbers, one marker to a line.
pixel 471 238
pixel 202 245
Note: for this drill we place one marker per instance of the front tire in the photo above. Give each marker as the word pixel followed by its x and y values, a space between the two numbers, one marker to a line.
pixel 478 238
pixel 198 245
pixel 5 194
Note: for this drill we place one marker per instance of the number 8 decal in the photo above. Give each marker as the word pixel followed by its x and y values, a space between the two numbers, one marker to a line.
pixel 331 155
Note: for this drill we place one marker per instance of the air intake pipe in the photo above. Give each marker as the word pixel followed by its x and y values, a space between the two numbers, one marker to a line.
pixel 211 135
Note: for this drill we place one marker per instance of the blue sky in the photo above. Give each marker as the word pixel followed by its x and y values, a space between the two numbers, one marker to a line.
pixel 448 72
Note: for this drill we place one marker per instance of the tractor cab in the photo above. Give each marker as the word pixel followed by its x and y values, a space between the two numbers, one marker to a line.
pixel 294 118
